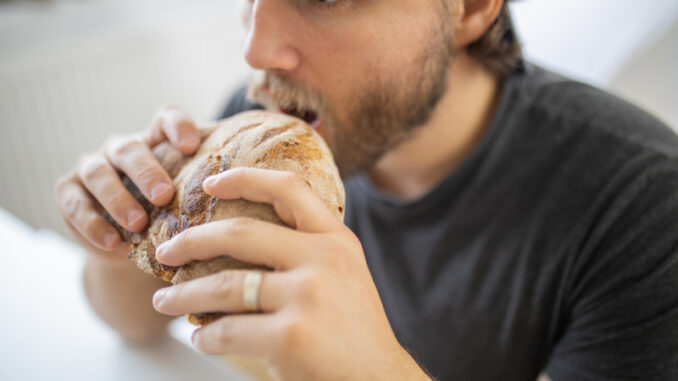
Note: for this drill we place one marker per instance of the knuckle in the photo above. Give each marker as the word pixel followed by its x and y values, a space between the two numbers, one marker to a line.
pixel 123 146
pixel 337 255
pixel 118 199
pixel 223 285
pixel 118 203
pixel 308 289
pixel 183 124
pixel 291 333
pixel 328 244
pixel 329 248
pixel 148 174
pixel 239 173
pixel 70 207
pixel 293 180
pixel 61 185
pixel 155 126
pixel 238 226
pixel 224 331
pixel 93 170
pixel 91 226
pixel 159 116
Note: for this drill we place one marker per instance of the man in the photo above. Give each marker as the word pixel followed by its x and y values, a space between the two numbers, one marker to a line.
pixel 501 220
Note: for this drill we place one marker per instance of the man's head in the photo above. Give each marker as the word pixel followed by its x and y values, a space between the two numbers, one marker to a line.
pixel 366 73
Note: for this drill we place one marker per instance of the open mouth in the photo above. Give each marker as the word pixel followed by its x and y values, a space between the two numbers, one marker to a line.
pixel 308 116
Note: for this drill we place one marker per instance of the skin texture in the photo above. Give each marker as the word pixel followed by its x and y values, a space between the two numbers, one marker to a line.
pixel 321 286
pixel 362 121
pixel 321 314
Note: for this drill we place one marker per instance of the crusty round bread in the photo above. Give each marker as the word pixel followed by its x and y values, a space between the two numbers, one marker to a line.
pixel 252 139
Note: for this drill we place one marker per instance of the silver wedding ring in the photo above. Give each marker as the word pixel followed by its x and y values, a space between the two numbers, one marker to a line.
pixel 250 290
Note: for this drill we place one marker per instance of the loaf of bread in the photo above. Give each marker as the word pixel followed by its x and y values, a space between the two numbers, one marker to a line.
pixel 252 139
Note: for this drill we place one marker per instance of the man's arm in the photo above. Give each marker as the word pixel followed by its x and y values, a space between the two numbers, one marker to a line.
pixel 125 306
pixel 117 291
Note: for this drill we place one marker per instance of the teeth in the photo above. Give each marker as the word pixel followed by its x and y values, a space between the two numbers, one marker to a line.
pixel 306 115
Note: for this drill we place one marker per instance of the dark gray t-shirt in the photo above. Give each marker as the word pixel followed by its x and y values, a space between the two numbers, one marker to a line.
pixel 554 246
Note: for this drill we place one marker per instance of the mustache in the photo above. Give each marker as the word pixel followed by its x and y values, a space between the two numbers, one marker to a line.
pixel 278 92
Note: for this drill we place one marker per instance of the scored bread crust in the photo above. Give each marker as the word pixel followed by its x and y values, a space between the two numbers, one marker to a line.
pixel 258 139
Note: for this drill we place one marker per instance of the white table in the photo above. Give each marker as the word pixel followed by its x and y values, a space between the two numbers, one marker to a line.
pixel 48 332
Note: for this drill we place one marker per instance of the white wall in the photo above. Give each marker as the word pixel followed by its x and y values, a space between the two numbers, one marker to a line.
pixel 591 40
pixel 651 79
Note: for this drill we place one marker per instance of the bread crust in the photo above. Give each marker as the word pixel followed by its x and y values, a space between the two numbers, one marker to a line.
pixel 258 139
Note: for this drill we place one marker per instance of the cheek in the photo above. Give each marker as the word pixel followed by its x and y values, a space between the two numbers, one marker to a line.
pixel 345 61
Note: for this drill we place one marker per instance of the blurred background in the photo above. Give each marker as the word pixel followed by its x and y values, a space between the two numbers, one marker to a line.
pixel 74 71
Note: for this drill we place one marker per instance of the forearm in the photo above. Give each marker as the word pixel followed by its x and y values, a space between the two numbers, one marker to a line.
pixel 121 295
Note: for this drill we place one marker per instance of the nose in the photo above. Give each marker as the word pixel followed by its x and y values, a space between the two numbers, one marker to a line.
pixel 269 35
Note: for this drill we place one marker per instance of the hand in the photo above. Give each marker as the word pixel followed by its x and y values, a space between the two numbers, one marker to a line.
pixel 95 181
pixel 321 316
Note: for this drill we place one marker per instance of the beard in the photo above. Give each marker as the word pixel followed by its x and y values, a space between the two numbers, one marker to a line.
pixel 381 114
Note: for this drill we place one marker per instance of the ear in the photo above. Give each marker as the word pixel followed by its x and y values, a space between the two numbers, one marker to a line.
pixel 472 18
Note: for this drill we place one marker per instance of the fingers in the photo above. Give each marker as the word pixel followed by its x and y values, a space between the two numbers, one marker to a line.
pixel 174 124
pixel 77 208
pixel 247 335
pixel 102 181
pixel 221 292
pixel 246 239
pixel 293 200
pixel 135 159
pixel 96 180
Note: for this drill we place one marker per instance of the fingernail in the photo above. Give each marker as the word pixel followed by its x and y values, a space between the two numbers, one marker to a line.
pixel 159 296
pixel 189 141
pixel 193 336
pixel 109 238
pixel 134 216
pixel 160 250
pixel 159 190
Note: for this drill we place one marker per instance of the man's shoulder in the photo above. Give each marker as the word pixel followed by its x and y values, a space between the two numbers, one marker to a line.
pixel 588 157
pixel 577 108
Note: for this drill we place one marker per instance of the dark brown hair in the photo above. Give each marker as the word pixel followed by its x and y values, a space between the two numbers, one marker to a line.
pixel 499 49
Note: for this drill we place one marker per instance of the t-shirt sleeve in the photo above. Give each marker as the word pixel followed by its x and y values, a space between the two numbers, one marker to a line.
pixel 622 319
pixel 238 103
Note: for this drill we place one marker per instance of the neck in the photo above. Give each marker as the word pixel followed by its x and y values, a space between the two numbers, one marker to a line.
pixel 441 145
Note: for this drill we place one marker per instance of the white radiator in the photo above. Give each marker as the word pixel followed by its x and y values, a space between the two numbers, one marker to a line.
pixel 102 67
